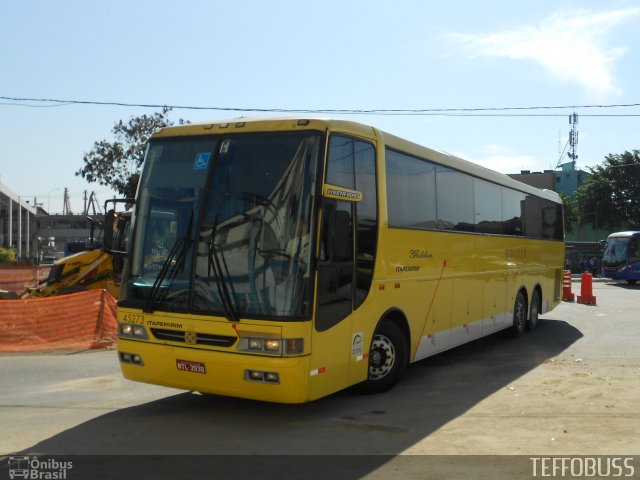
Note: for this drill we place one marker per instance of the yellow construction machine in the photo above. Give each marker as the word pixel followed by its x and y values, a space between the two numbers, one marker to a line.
pixel 90 269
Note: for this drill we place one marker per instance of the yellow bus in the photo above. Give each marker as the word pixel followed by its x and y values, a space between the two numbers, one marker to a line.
pixel 286 259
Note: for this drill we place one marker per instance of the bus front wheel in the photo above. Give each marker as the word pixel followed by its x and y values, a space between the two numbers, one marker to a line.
pixel 388 358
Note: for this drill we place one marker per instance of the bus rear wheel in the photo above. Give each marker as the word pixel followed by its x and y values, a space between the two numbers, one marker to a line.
pixel 519 315
pixel 388 358
pixel 534 311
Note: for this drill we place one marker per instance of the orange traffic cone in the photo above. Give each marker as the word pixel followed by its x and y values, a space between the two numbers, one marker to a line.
pixel 586 290
pixel 567 295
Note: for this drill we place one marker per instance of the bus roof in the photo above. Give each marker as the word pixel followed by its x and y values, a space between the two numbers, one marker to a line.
pixel 258 124
pixel 630 233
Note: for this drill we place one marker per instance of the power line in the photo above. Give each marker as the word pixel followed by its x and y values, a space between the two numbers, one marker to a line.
pixel 453 112
pixel 15 104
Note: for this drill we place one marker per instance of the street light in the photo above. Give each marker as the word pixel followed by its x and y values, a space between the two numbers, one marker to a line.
pixel 49 199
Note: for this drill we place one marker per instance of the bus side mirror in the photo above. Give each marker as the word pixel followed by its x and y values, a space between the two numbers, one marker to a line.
pixel 107 241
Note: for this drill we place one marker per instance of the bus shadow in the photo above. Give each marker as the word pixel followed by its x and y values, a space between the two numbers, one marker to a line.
pixel 624 285
pixel 432 393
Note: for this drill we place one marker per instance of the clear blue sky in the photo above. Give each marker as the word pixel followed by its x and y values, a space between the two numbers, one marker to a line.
pixel 317 55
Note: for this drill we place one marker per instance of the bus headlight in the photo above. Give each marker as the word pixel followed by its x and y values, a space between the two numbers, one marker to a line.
pixel 282 346
pixel 133 358
pixel 128 330
pixel 272 345
pixel 260 376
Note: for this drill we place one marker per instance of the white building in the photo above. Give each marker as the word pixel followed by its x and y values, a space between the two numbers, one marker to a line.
pixel 17 224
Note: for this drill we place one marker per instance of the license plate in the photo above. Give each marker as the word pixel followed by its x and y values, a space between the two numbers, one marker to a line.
pixel 193 367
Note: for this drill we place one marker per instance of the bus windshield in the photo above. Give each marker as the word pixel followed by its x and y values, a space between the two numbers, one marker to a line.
pixel 616 252
pixel 223 226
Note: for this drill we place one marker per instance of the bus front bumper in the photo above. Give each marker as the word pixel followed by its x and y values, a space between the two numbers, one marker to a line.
pixel 257 377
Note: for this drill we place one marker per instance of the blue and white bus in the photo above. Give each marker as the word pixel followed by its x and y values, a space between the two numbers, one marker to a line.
pixel 621 260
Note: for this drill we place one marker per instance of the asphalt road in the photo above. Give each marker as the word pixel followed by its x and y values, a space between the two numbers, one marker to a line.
pixel 571 387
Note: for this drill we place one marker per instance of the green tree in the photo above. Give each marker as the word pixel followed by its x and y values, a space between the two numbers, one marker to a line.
pixel 7 255
pixel 116 163
pixel 610 197
pixel 570 212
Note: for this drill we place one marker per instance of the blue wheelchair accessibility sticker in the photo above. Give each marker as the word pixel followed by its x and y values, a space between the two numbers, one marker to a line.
pixel 202 161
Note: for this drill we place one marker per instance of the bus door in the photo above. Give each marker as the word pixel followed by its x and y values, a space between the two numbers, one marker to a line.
pixel 346 257
pixel 331 333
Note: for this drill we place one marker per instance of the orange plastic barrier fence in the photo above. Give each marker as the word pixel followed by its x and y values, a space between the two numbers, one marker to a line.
pixel 78 321
pixel 18 278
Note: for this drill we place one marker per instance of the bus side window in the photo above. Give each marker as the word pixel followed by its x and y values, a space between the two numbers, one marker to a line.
pixel 337 240
pixel 342 239
pixel 634 250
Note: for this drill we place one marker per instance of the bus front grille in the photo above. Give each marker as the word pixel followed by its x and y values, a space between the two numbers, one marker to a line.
pixel 193 338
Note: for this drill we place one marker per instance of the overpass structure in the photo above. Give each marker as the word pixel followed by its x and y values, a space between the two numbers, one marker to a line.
pixel 34 233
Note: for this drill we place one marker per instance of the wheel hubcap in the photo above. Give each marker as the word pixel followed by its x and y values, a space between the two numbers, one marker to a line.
pixel 381 358
pixel 520 315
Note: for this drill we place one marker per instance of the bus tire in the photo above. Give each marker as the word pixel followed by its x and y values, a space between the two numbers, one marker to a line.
pixel 388 358
pixel 632 282
pixel 519 315
pixel 534 311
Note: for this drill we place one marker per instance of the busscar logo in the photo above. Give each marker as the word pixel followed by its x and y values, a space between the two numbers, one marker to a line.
pixel 37 469
pixel 341 193
pixel 344 194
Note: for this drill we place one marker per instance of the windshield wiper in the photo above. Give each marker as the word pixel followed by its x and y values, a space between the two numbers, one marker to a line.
pixel 183 242
pixel 223 290
pixel 148 308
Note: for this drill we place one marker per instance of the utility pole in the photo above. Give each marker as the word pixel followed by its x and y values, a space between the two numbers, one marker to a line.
pixel 66 209
pixel 573 138
pixel 93 204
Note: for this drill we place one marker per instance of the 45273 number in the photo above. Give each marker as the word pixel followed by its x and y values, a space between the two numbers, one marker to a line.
pixel 133 318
